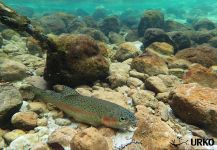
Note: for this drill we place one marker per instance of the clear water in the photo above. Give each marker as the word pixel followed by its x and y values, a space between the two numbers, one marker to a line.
pixel 199 8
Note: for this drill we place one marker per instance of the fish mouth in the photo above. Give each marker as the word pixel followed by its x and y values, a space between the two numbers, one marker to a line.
pixel 132 128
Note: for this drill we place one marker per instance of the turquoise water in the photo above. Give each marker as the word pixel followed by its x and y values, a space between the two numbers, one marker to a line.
pixel 173 8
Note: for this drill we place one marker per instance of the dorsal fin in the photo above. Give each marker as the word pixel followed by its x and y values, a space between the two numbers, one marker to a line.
pixel 65 90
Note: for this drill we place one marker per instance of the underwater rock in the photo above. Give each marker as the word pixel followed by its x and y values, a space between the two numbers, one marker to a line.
pixel 62 122
pixel 81 12
pixel 119 72
pixel 99 13
pixel 204 24
pixel 12 70
pixel 28 141
pixel 95 34
pixel 156 85
pixel 37 107
pixel 78 61
pixel 135 83
pixel 75 25
pixel 90 22
pixel 40 146
pixel 129 17
pixel 62 136
pixel 89 139
pixel 12 135
pixel 25 120
pixel 30 61
pixel 132 36
pixel 144 97
pixel 139 75
pixel 150 64
pixel 213 42
pixel 152 132
pixel 161 49
pixel 155 35
pixel 110 24
pixel 126 50
pixel 171 25
pixel 7 34
pixel 202 54
pixel 1 41
pixel 10 102
pixel 150 19
pixel 33 47
pixel 201 75
pixel 201 37
pixel 181 40
pixel 111 96
pixel 55 23
pixel 178 63
pixel 115 38
pixel 195 105
pixel 178 72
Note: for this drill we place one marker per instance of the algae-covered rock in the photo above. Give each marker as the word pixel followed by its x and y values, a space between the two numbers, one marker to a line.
pixel 204 24
pixel 204 55
pixel 155 35
pixel 78 61
pixel 110 24
pixel 150 19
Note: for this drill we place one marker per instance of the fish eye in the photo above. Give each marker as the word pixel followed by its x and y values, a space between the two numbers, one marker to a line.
pixel 122 119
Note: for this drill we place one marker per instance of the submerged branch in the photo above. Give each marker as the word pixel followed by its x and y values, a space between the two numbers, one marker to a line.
pixel 10 18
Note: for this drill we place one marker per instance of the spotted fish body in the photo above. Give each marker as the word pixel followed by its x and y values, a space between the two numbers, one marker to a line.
pixel 88 110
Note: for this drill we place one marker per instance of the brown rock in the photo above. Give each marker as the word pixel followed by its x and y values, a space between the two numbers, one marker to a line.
pixel 126 50
pixel 78 61
pixel 201 75
pixel 204 55
pixel 161 49
pixel 195 105
pixel 62 136
pixel 155 84
pixel 112 96
pixel 152 132
pixel 150 64
pixel 25 120
pixel 89 139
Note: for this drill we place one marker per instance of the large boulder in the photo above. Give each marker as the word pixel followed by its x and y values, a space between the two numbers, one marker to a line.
pixel 150 19
pixel 56 23
pixel 77 61
pixel 195 105
pixel 204 55
pixel 150 64
pixel 110 24
pixel 180 40
pixel 201 75
pixel 10 102
pixel 204 24
pixel 155 35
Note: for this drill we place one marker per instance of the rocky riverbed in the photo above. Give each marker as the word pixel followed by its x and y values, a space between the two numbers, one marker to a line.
pixel 168 79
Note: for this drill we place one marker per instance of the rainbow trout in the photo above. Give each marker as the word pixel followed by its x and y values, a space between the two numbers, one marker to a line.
pixel 88 110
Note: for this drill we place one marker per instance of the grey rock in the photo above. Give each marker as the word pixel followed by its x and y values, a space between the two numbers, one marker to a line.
pixel 10 101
